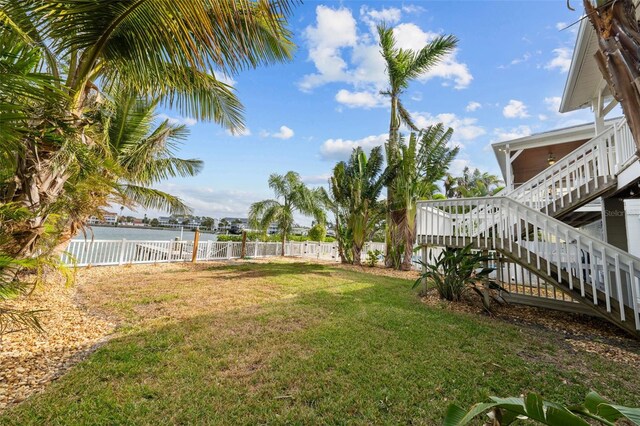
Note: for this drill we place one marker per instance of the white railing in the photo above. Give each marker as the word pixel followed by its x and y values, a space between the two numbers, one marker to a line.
pixel 610 275
pixel 601 158
pixel 122 252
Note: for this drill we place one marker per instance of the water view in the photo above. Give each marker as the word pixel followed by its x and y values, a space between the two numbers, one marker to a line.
pixel 139 234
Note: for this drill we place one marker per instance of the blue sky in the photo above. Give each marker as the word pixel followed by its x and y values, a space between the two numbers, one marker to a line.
pixel 504 81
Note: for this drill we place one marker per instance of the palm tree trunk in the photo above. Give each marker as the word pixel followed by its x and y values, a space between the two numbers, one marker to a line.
pixel 36 186
pixel 284 238
pixel 392 150
pixel 618 56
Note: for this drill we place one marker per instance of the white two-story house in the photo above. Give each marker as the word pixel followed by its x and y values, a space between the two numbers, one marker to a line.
pixel 566 229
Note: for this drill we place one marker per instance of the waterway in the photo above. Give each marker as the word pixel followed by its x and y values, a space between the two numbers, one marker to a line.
pixel 141 234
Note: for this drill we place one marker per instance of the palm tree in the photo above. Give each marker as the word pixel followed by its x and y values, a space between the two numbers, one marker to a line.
pixel 291 195
pixel 403 66
pixel 421 163
pixel 163 49
pixel 472 184
pixel 618 55
pixel 138 152
pixel 355 189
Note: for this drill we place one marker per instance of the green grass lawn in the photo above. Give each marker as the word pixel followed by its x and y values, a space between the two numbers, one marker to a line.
pixel 293 343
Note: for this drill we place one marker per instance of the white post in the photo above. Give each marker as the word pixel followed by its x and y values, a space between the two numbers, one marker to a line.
pixel 507 153
pixel 208 253
pixel 229 245
pixel 423 252
pixel 122 247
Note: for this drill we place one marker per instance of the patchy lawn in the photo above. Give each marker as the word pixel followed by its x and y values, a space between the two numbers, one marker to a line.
pixel 303 343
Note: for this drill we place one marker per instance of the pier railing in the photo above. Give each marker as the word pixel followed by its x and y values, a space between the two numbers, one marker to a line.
pixel 124 252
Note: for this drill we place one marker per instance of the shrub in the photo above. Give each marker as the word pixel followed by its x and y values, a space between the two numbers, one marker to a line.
pixel 505 411
pixel 456 271
pixel 317 232
pixel 372 257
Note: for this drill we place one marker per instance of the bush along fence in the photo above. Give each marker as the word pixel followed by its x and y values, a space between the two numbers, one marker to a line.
pixel 123 252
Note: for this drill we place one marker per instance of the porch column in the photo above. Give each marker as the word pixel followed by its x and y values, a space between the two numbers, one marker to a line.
pixel 509 177
pixel 632 208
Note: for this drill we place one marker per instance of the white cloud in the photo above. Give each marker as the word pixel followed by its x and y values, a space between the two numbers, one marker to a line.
pixel 473 106
pixel 553 103
pixel 561 60
pixel 515 109
pixel 186 121
pixel 561 25
pixel 340 149
pixel 334 30
pixel 284 133
pixel 316 179
pixel 512 133
pixel 240 132
pixel 465 129
pixel 389 15
pixel 360 99
pixel 343 55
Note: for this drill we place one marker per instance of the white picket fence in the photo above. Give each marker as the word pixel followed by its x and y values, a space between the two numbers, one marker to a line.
pixel 123 252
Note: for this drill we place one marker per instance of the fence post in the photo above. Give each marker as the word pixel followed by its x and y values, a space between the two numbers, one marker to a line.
pixel 229 245
pixel 255 248
pixel 196 240
pixel 122 248
pixel 423 252
pixel 208 253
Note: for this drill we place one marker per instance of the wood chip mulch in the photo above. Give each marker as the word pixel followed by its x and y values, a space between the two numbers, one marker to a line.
pixel 30 360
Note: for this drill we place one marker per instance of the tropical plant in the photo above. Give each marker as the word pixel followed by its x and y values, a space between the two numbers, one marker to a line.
pixel 355 189
pixel 472 184
pixel 372 257
pixel 618 55
pixel 506 411
pixel 291 195
pixel 317 232
pixel 84 51
pixel 420 164
pixel 137 152
pixel 455 271
pixel 403 66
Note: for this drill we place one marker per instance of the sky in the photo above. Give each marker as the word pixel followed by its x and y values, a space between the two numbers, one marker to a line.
pixel 503 81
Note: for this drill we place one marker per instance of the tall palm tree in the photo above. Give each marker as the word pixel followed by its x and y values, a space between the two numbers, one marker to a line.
pixel 164 49
pixel 291 195
pixel 618 55
pixel 403 66
pixel 355 189
pixel 421 163
pixel 137 153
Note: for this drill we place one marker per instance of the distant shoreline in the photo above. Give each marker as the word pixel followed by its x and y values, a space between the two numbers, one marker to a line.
pixel 157 228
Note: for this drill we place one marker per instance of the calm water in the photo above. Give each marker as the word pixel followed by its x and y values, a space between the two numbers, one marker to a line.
pixel 115 233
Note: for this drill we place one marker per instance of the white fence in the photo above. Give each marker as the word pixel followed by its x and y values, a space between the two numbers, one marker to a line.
pixel 122 252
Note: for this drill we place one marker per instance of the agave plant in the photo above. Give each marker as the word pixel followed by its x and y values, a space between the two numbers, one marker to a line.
pixel 456 271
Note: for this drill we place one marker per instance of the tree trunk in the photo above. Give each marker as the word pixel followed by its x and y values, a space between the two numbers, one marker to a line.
pixel 407 260
pixel 618 56
pixel 357 254
pixel 36 186
pixel 284 238
pixel 393 236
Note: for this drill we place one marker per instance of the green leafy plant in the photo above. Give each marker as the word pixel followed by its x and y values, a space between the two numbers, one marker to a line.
pixel 373 256
pixel 456 271
pixel 505 411
pixel 317 232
